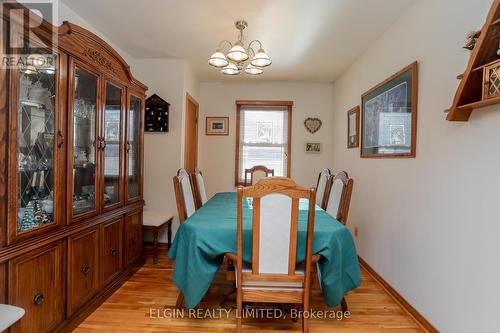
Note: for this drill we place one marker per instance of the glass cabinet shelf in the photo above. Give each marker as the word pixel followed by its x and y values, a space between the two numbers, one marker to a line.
pixel 35 147
pixel 84 141
pixel 133 147
pixel 112 142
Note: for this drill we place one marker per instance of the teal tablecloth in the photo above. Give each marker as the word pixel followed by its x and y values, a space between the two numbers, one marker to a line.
pixel 201 241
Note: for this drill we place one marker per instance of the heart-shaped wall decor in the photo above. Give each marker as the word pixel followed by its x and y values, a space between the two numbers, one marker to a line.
pixel 312 125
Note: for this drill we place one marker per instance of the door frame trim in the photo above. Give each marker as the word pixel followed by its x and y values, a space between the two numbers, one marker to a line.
pixel 190 99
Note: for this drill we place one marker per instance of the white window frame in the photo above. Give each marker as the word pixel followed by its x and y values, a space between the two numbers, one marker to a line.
pixel 283 104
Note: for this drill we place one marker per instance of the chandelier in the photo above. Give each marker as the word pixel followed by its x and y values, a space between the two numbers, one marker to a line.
pixel 236 58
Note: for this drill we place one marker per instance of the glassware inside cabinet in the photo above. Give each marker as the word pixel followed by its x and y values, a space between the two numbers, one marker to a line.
pixel 111 144
pixel 36 123
pixel 133 147
pixel 84 142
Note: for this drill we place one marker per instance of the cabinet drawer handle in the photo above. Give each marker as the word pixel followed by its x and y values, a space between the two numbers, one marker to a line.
pixel 61 139
pixel 85 269
pixel 112 252
pixel 128 146
pixel 38 299
pixel 134 238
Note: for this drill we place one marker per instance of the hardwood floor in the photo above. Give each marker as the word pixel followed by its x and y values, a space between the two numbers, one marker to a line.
pixel 128 309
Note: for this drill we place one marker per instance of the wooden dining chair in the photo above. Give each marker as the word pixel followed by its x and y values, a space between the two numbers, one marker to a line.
pixel 200 195
pixel 274 276
pixel 256 173
pixel 323 178
pixel 184 195
pixel 185 207
pixel 338 196
pixel 336 202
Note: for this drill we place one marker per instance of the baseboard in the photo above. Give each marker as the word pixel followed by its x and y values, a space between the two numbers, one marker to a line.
pixel 424 323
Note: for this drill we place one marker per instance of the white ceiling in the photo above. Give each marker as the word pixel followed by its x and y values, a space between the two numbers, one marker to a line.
pixel 308 40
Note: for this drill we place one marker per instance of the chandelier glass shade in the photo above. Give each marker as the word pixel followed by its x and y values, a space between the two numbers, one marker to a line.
pixel 261 59
pixel 218 59
pixel 237 53
pixel 234 61
pixel 252 70
pixel 230 69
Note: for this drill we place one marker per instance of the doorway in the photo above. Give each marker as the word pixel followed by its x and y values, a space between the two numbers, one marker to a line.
pixel 191 134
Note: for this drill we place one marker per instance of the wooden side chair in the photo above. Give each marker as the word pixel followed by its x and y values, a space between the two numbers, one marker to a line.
pixel 184 195
pixel 323 178
pixel 337 200
pixel 274 275
pixel 200 194
pixel 256 173
pixel 186 206
pixel 338 196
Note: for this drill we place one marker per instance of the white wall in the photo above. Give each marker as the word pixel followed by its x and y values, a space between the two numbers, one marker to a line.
pixel 64 13
pixel 216 153
pixel 171 79
pixel 429 225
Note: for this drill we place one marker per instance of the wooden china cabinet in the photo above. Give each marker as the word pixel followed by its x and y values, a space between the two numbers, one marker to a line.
pixel 71 171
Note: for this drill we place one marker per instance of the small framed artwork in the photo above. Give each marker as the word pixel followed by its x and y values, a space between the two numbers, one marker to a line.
pixel 353 127
pixel 389 116
pixel 217 126
pixel 313 148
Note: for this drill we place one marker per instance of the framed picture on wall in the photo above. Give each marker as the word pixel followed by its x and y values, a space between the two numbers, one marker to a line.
pixel 389 116
pixel 353 127
pixel 313 147
pixel 217 126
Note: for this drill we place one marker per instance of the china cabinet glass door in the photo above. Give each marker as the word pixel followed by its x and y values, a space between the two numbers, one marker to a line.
pixel 85 143
pixel 38 140
pixel 111 145
pixel 134 147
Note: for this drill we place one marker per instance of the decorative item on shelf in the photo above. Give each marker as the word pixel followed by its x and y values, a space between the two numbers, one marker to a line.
pixel 217 126
pixel 157 112
pixel 471 40
pixel 312 125
pixel 389 116
pixel 235 60
pixel 313 147
pixel 492 81
pixel 480 82
pixel 32 216
pixel 28 218
pixel 48 203
pixel 353 127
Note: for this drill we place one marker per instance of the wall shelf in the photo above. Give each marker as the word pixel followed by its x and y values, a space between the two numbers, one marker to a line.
pixel 480 83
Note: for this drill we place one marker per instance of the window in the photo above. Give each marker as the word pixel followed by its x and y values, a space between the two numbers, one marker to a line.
pixel 263 137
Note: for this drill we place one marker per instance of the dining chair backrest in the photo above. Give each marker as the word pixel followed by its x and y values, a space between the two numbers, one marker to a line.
pixel 198 182
pixel 256 173
pixel 275 227
pixel 338 196
pixel 323 178
pixel 184 195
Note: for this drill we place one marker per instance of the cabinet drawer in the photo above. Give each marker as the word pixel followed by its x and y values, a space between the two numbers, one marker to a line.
pixel 36 285
pixel 83 267
pixel 133 236
pixel 111 250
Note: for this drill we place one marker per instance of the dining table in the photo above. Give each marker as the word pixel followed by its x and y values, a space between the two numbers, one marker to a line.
pixel 202 240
